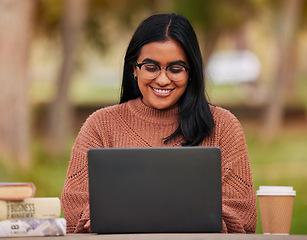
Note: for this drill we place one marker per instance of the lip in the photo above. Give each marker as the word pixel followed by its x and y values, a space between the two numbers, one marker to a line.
pixel 161 92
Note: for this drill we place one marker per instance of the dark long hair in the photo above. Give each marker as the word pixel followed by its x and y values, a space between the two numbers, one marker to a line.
pixel 196 120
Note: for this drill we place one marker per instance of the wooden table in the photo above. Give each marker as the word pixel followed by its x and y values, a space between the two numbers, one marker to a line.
pixel 196 236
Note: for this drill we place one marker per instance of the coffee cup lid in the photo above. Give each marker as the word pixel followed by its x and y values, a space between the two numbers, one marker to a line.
pixel 275 190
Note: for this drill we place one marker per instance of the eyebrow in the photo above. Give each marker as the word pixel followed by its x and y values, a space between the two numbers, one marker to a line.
pixel 149 60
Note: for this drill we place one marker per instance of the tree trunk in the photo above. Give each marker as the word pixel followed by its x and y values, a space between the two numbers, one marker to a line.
pixel 16 28
pixel 211 39
pixel 61 109
pixel 285 72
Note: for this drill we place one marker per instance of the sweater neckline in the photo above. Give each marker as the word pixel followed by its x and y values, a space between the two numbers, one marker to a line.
pixel 153 115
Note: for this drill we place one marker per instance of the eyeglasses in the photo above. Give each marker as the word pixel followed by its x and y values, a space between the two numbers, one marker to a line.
pixel 175 72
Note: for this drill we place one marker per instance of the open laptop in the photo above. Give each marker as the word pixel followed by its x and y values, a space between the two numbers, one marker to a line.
pixel 155 190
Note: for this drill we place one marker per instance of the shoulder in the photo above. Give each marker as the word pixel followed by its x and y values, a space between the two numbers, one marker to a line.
pixel 229 135
pixel 107 112
pixel 102 118
pixel 225 121
pixel 222 115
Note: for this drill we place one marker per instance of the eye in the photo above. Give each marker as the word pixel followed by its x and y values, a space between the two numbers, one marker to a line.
pixel 150 67
pixel 175 69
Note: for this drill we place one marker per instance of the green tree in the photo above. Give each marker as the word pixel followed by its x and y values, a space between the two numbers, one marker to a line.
pixel 213 18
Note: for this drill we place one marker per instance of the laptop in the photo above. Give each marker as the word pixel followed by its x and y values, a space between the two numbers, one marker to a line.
pixel 155 190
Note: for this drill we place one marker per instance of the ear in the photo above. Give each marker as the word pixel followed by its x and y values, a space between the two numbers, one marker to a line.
pixel 135 74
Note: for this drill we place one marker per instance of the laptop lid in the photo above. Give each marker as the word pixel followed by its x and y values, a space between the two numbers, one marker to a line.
pixel 155 190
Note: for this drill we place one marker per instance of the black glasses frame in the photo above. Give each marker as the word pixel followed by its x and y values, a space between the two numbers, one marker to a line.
pixel 139 65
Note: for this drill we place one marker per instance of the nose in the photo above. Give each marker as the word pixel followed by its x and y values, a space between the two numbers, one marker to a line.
pixel 162 79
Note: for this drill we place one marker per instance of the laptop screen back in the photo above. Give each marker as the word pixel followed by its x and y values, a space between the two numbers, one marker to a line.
pixel 155 190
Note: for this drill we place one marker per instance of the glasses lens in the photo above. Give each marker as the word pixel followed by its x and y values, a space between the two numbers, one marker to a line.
pixel 150 71
pixel 176 72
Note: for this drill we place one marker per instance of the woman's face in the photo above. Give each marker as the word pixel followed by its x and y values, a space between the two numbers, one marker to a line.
pixel 161 92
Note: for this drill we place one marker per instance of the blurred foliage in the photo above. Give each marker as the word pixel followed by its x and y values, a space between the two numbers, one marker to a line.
pixel 101 13
pixel 94 35
pixel 210 16
pixel 48 17
pixel 274 8
pixel 304 15
pixel 123 10
pixel 217 15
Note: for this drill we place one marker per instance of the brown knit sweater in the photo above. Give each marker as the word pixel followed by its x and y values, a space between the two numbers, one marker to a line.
pixel 133 124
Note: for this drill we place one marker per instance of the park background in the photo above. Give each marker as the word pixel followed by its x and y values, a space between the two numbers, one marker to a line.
pixel 60 60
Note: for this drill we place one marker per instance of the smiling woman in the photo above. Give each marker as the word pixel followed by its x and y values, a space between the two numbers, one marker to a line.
pixel 163 104
pixel 158 88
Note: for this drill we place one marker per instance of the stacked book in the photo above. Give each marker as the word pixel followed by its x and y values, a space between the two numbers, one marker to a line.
pixel 22 214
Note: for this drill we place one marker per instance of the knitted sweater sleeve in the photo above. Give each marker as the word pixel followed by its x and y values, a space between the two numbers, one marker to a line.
pixel 238 195
pixel 75 196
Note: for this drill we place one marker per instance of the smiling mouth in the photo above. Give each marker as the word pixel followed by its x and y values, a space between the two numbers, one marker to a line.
pixel 162 91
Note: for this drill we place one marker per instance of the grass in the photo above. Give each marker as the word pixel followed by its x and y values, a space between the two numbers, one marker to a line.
pixel 281 162
pixel 47 172
pixel 81 92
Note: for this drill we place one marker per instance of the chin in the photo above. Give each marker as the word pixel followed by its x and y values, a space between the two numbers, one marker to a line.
pixel 160 107
pixel 164 106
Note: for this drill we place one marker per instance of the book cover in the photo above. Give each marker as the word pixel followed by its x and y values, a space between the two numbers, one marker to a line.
pixel 33 227
pixel 16 191
pixel 42 208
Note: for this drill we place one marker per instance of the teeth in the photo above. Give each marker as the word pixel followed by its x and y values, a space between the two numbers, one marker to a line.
pixel 162 91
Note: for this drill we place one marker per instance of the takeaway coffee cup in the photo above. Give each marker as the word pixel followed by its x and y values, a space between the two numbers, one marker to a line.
pixel 276 205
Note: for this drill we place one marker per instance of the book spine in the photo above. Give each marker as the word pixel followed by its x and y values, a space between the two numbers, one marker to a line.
pixel 31 208
pixel 16 191
pixel 33 227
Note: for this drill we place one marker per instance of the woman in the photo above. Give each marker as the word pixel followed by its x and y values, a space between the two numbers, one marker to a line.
pixel 163 104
